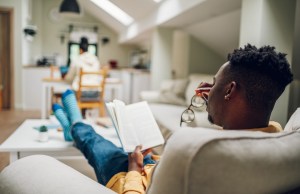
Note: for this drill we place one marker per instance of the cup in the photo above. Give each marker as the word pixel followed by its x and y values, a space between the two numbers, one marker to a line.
pixel 43 136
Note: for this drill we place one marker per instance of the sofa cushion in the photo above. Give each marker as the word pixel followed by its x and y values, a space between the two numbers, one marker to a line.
pixel 294 122
pixel 151 96
pixel 172 91
pixel 233 162
pixel 194 81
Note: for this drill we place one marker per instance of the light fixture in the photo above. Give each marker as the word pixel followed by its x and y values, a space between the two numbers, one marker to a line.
pixel 30 32
pixel 69 6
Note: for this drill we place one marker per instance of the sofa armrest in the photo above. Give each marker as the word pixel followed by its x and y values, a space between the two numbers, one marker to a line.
pixel 46 175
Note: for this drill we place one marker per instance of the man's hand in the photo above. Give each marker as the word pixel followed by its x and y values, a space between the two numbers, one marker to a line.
pixel 136 159
pixel 203 89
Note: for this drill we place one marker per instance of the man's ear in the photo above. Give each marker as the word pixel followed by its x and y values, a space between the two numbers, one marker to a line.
pixel 230 90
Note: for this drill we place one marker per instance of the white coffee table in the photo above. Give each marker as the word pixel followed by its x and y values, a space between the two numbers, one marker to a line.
pixel 24 141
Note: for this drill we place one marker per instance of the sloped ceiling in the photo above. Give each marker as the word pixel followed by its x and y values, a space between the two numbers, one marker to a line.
pixel 137 9
pixel 215 23
pixel 220 33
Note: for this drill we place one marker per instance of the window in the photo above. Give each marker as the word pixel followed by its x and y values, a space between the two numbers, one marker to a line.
pixel 114 11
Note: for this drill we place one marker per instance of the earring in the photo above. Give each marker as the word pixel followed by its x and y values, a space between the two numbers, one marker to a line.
pixel 226 97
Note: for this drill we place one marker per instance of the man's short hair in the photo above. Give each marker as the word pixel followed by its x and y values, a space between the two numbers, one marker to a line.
pixel 84 44
pixel 262 72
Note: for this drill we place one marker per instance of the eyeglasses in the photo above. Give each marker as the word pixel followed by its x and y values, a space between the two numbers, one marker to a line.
pixel 188 115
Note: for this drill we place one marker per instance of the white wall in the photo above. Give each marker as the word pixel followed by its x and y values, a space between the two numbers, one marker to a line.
pixel 202 59
pixel 294 102
pixel 161 58
pixel 296 49
pixel 270 22
pixel 251 22
pixel 175 50
pixel 37 19
pixel 180 54
pixel 48 42
pixel 20 13
pixel 26 45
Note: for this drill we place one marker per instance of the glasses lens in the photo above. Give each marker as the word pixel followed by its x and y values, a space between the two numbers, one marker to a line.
pixel 197 101
pixel 188 116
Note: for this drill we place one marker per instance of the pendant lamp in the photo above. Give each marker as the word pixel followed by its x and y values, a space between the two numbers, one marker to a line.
pixel 69 6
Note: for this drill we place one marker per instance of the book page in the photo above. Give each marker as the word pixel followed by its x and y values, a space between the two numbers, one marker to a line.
pixel 127 133
pixel 144 124
pixel 110 107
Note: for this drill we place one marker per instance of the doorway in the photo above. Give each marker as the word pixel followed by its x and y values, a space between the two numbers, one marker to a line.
pixel 6 62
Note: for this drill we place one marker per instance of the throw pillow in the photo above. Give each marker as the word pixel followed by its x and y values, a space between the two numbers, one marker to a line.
pixel 172 91
pixel 294 122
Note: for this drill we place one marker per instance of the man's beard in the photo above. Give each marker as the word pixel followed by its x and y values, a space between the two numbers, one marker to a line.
pixel 210 119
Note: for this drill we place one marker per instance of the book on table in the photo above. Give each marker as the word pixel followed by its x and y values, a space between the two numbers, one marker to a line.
pixel 135 125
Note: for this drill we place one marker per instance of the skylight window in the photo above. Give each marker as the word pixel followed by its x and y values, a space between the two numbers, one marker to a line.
pixel 114 11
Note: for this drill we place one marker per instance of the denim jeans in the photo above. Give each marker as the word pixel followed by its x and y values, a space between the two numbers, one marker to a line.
pixel 106 158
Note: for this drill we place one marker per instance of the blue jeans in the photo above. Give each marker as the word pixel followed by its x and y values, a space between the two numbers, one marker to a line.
pixel 106 158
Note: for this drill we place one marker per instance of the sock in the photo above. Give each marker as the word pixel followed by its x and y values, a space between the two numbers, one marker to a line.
pixel 71 107
pixel 63 119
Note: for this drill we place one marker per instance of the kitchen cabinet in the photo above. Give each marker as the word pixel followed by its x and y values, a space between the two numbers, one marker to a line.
pixel 133 82
pixel 32 86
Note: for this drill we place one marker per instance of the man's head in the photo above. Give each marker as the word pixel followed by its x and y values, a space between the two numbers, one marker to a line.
pixel 246 87
pixel 84 44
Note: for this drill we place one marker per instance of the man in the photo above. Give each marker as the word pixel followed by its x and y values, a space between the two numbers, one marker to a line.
pixel 86 61
pixel 241 97
pixel 245 88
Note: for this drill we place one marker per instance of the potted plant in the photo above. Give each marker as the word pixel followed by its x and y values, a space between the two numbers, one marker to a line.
pixel 43 134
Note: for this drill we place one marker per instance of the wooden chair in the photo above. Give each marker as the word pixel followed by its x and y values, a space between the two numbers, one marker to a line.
pixel 94 102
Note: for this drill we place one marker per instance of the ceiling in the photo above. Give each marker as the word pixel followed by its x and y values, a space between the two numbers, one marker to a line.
pixel 215 23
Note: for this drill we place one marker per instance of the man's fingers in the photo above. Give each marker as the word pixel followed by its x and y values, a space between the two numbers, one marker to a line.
pixel 138 148
pixel 147 151
pixel 203 84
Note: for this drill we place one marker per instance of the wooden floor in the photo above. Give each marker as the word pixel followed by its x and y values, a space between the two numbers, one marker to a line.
pixel 9 122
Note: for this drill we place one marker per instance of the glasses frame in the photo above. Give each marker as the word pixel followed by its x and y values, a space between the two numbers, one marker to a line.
pixel 189 108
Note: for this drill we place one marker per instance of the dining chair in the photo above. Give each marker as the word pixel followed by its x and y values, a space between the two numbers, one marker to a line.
pixel 91 89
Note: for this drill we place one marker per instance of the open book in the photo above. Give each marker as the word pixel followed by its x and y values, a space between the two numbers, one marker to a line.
pixel 135 125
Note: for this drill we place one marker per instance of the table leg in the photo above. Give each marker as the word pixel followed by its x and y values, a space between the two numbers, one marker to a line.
pixel 14 156
pixel 44 102
pixel 120 92
pixel 48 102
pixel 113 94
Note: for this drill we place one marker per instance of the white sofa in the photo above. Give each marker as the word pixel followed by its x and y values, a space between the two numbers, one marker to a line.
pixel 195 161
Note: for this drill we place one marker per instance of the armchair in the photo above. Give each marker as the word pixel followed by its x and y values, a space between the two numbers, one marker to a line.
pixel 195 160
